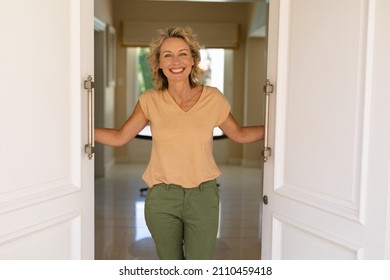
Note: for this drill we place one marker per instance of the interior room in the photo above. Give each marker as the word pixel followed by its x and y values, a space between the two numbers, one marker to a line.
pixel 122 29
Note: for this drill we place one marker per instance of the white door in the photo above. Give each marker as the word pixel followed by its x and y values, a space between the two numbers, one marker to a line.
pixel 46 182
pixel 327 180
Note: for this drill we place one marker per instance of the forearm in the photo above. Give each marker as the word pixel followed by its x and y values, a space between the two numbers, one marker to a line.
pixel 250 134
pixel 242 134
pixel 110 137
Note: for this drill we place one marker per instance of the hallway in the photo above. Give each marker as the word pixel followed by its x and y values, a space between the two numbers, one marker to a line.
pixel 121 233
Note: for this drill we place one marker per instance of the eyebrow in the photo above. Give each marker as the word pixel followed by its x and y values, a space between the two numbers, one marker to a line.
pixel 179 51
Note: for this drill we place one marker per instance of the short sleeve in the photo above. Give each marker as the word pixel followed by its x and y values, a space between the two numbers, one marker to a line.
pixel 224 109
pixel 143 101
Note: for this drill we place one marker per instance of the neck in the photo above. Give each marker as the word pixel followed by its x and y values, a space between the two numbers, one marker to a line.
pixel 184 96
pixel 181 90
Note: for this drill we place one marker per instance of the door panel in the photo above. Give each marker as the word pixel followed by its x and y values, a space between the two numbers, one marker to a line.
pixel 325 68
pixel 318 179
pixel 46 189
pixel 299 241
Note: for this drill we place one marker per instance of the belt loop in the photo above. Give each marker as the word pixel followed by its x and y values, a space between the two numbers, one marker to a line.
pixel 167 187
pixel 201 186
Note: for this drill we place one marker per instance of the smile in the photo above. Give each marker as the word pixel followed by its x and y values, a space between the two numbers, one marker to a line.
pixel 177 70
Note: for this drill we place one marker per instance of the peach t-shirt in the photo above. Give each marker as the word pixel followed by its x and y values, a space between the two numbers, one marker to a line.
pixel 182 145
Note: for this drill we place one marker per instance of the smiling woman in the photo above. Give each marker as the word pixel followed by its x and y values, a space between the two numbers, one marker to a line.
pixel 182 171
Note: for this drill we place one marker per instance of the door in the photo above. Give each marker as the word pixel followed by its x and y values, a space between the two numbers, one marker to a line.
pixel 327 179
pixel 46 182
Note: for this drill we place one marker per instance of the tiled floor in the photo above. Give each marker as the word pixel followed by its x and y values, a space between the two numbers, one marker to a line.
pixel 121 233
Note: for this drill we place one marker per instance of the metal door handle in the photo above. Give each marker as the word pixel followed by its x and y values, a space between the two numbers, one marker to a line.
pixel 268 88
pixel 89 148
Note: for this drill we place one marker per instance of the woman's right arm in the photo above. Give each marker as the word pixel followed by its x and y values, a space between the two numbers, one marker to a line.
pixel 119 137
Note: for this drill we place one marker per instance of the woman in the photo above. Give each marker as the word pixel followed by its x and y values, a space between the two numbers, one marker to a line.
pixel 182 202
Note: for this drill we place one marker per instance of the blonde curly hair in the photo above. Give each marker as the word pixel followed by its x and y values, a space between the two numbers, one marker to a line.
pixel 160 81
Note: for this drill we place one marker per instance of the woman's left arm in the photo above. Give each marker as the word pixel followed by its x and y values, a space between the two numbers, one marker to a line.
pixel 241 134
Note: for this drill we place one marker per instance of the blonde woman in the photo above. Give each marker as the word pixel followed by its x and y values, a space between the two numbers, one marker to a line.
pixel 182 202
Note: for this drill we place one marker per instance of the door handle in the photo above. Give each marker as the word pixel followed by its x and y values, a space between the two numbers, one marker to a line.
pixel 89 148
pixel 268 88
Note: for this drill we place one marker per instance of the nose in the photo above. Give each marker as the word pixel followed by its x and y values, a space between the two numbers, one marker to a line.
pixel 176 59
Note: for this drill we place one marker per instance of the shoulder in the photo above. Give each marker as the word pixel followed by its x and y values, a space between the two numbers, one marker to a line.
pixel 214 93
pixel 212 90
pixel 150 93
pixel 147 101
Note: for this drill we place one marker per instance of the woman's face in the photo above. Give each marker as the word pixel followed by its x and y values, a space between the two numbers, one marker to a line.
pixel 176 60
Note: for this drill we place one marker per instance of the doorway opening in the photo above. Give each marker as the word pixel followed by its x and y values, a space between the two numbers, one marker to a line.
pixel 239 225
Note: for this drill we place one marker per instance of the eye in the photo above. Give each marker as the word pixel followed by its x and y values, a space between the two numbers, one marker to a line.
pixel 185 54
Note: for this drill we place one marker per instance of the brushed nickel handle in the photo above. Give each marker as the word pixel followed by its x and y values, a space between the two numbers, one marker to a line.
pixel 268 88
pixel 89 148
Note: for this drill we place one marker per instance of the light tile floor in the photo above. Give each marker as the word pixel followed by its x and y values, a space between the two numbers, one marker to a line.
pixel 121 232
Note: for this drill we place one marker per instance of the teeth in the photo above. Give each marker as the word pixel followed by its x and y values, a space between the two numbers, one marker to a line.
pixel 178 70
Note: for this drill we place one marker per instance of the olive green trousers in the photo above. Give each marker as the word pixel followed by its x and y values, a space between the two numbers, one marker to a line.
pixel 183 221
